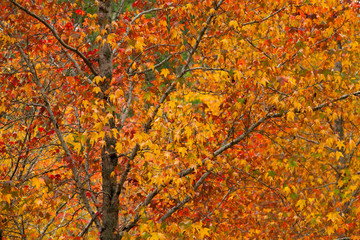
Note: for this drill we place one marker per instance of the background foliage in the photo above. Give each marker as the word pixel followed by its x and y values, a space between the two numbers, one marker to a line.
pixel 179 119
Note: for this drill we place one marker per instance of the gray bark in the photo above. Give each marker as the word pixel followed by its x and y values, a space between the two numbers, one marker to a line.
pixel 109 158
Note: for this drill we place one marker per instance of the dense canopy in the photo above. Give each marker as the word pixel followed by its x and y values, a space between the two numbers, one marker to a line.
pixel 178 119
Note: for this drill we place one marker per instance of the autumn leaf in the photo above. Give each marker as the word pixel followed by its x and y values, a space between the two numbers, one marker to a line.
pixel 165 72
pixel 216 119
pixel 301 204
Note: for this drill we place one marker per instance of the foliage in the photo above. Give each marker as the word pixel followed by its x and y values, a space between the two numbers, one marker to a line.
pixel 179 119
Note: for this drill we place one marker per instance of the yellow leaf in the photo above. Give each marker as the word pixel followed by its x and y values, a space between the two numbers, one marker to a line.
pixel 118 93
pixel 209 164
pixel 188 131
pixel 103 32
pixel 99 126
pixel 114 132
pixel 96 89
pixel 338 155
pixel 111 38
pixel 333 216
pixel 140 44
pixel 329 141
pixel 234 24
pixel 97 79
pixel 290 116
pixel 101 134
pixel 340 144
pixel 151 66
pixel 182 151
pixel 38 202
pixel 287 190
pixel 112 98
pixel 37 182
pixel 157 236
pixel 319 180
pixel 263 81
pixel 330 230
pixel 98 39
pixel 189 5
pixel 85 103
pixel 7 198
pixel 301 204
pixel 77 147
pixel 203 232
pixel 165 72
pixel 163 23
pixel 118 147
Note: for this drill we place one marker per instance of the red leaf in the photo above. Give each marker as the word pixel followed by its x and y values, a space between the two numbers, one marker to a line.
pixel 136 3
pixel 79 12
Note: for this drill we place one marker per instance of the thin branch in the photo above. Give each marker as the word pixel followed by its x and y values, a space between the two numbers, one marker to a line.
pixel 185 67
pixel 175 208
pixel 318 42
pixel 320 106
pixel 315 142
pixel 147 126
pixel 52 220
pixel 56 35
pixel 262 120
pixel 120 9
pixel 86 229
pixel 151 69
pixel 144 12
pixel 187 198
pixel 78 68
pixel 132 21
pixel 147 201
pixel 259 49
pixel 264 19
pixel 127 170
pixel 198 40
pixel 59 134
pixel 207 69
pixel 128 70
pixel 219 204
pixel 127 107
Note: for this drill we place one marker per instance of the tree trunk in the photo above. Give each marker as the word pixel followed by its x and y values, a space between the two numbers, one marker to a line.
pixel 110 205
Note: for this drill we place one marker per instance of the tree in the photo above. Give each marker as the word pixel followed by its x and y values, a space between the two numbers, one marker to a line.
pixel 175 119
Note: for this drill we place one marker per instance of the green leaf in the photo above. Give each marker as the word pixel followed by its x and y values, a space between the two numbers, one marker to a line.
pixel 271 173
pixel 294 196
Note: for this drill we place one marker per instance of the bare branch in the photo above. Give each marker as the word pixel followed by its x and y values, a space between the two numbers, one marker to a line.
pixel 315 142
pixel 144 12
pixel 264 19
pixel 259 49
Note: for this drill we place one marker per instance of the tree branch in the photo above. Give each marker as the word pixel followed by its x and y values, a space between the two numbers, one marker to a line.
pixel 56 35
pixel 59 135
pixel 266 18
